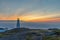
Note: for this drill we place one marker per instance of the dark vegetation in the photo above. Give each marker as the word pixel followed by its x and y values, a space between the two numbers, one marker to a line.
pixel 33 32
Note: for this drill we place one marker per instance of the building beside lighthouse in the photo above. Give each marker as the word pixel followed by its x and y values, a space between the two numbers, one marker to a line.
pixel 18 23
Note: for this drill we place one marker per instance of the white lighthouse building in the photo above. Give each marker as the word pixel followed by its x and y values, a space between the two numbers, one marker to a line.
pixel 18 23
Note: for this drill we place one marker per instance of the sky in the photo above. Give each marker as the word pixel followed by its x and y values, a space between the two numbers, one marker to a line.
pixel 30 10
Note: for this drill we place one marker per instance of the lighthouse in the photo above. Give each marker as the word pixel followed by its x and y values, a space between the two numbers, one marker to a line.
pixel 18 23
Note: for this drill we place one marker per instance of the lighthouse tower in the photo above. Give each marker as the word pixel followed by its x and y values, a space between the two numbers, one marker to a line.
pixel 18 23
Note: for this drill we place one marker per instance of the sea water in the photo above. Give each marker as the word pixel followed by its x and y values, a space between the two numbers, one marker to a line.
pixel 32 25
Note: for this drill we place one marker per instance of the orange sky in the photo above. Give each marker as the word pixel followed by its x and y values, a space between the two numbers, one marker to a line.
pixel 32 18
pixel 41 19
pixel 46 20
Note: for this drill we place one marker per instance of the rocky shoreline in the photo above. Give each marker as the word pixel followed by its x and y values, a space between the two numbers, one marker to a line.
pixel 28 34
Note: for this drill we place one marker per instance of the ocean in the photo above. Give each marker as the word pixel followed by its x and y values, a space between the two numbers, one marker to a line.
pixel 32 25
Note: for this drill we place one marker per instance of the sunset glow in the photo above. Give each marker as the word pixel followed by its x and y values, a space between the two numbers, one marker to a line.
pixel 30 10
